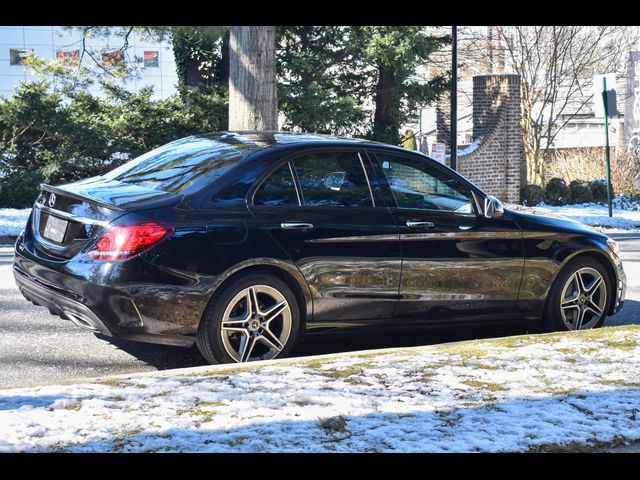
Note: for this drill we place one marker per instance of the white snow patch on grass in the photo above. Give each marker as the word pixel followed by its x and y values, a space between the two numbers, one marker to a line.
pixel 511 394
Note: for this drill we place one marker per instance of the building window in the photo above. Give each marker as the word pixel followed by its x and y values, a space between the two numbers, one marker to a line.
pixel 18 56
pixel 112 58
pixel 151 58
pixel 68 57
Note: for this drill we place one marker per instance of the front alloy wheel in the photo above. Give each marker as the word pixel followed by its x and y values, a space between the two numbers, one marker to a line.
pixel 584 298
pixel 579 298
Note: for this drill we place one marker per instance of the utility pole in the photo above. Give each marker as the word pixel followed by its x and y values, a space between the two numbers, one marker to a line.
pixel 454 98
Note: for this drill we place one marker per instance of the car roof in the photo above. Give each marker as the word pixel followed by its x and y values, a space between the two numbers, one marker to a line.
pixel 250 141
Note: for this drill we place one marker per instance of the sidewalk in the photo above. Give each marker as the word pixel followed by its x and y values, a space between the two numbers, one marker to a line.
pixel 576 391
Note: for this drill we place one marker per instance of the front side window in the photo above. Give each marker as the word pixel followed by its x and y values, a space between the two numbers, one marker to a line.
pixel 278 189
pixel 415 184
pixel 333 179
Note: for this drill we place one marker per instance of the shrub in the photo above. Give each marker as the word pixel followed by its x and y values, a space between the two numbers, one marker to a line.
pixel 557 192
pixel 19 190
pixel 580 192
pixel 599 190
pixel 532 195
pixel 589 164
pixel 66 136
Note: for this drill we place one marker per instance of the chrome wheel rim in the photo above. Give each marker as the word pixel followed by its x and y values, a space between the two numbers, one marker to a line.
pixel 583 299
pixel 256 324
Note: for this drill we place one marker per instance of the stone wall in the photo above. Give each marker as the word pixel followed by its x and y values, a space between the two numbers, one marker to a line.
pixel 495 160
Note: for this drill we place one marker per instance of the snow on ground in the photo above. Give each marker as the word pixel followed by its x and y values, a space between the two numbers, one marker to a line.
pixel 13 220
pixel 598 216
pixel 525 393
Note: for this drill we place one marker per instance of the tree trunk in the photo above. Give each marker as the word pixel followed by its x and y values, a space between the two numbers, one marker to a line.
pixel 252 78
pixel 385 122
pixel 224 60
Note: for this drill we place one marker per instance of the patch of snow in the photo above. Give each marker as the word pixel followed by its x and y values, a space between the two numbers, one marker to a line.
pixel 13 220
pixel 471 148
pixel 598 215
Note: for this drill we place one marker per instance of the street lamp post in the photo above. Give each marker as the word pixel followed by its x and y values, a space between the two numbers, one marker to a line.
pixel 454 97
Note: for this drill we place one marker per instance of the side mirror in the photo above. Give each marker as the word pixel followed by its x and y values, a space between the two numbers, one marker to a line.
pixel 492 207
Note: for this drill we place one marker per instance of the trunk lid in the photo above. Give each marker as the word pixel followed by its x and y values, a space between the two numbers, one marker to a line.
pixel 65 219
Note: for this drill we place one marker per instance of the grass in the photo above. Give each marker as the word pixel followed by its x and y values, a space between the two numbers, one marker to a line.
pixel 75 406
pixel 591 446
pixel 488 386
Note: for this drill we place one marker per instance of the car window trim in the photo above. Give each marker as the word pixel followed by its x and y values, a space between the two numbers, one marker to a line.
pixel 294 177
pixel 366 176
pixel 253 190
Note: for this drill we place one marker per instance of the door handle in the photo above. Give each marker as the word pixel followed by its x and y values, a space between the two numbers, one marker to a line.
pixel 415 223
pixel 296 226
pixel 465 227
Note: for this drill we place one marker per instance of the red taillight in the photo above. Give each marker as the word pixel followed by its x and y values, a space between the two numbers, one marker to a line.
pixel 126 241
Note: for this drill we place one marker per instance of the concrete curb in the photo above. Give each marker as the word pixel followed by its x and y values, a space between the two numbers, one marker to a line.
pixel 226 367
pixel 234 367
pixel 8 239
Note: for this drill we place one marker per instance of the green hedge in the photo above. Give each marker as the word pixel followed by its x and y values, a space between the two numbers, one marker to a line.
pixel 580 192
pixel 532 195
pixel 557 192
pixel 62 137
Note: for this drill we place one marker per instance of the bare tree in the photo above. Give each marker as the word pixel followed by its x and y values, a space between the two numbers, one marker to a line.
pixel 252 78
pixel 556 65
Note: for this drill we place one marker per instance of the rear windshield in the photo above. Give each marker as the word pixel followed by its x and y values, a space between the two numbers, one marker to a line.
pixel 177 165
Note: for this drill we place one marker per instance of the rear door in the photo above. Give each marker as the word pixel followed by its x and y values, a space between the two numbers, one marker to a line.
pixel 456 263
pixel 320 207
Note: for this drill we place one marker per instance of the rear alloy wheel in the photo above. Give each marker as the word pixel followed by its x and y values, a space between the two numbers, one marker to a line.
pixel 254 318
pixel 579 298
pixel 256 324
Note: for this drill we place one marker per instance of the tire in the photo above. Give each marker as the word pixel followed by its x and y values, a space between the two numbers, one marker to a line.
pixel 577 299
pixel 249 334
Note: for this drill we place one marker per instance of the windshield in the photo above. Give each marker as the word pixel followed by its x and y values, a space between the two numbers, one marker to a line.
pixel 180 164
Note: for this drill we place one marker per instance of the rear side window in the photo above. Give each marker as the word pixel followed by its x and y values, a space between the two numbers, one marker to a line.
pixel 191 161
pixel 278 189
pixel 333 179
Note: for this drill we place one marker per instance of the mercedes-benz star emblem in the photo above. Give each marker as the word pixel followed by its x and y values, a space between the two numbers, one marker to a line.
pixel 52 199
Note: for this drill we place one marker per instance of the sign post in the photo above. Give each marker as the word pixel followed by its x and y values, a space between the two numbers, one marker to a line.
pixel 604 105
pixel 438 152
pixel 606 130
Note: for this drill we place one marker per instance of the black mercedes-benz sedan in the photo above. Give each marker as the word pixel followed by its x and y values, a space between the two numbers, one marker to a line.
pixel 244 241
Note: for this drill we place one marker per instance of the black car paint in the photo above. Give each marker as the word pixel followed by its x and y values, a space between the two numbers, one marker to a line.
pixel 356 267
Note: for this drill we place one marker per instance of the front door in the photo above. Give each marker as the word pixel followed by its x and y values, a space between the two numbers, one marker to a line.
pixel 322 210
pixel 456 263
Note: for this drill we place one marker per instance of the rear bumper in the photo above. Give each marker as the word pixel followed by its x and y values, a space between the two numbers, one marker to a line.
pixel 98 308
pixel 58 304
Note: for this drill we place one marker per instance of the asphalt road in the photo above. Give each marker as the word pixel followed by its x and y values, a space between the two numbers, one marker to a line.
pixel 37 348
